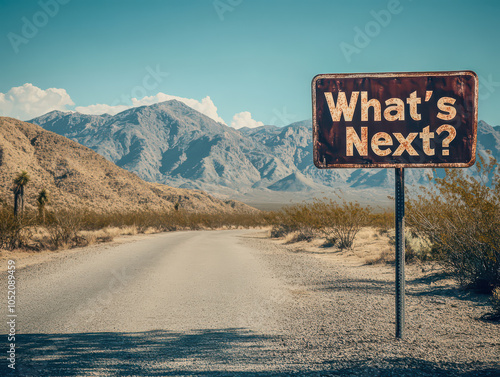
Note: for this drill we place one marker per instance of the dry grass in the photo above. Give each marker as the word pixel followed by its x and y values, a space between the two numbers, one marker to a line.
pixel 297 236
pixel 65 229
pixel 373 248
pixel 129 230
pixel 108 234
pixel 385 256
pixel 368 247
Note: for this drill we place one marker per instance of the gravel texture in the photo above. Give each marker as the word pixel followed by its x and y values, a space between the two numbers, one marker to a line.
pixel 340 319
pixel 232 303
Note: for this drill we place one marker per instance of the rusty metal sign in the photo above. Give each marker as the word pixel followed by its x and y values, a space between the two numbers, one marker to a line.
pixel 385 120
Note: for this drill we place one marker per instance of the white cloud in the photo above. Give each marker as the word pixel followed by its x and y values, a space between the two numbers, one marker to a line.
pixel 244 119
pixel 28 101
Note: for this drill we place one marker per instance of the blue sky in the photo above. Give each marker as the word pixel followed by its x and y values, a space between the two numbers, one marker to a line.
pixel 256 56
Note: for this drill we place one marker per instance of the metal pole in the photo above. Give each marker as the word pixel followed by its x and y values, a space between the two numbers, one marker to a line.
pixel 400 252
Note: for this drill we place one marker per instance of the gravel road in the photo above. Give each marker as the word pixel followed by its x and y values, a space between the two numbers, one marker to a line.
pixel 231 303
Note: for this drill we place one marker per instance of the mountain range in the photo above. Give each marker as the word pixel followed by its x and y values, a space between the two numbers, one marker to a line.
pixel 174 144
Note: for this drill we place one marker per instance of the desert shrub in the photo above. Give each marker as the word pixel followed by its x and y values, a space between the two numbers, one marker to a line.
pixel 297 237
pixel 339 223
pixel 417 247
pixel 461 219
pixel 75 227
pixel 298 219
pixel 14 230
pixel 88 237
pixel 272 218
pixel 495 303
pixel 383 222
pixel 494 315
pixel 278 231
pixel 167 220
pixel 63 228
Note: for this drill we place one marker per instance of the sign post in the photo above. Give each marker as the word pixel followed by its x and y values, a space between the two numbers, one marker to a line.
pixel 395 120
pixel 400 251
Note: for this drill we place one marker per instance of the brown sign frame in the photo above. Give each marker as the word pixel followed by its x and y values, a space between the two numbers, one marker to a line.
pixel 359 162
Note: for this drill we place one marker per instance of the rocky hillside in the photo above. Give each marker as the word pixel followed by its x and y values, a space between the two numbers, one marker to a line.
pixel 76 176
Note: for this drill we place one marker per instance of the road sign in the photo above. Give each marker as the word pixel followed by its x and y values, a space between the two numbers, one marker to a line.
pixel 381 120
pixel 395 120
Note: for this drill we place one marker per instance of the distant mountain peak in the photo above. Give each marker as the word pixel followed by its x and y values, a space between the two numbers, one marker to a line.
pixel 294 182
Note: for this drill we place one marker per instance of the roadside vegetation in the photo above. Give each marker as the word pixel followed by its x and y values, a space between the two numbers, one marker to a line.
pixel 337 223
pixel 455 223
pixel 460 220
pixel 52 230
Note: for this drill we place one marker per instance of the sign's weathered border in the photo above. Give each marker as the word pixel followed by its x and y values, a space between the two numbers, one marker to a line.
pixel 405 75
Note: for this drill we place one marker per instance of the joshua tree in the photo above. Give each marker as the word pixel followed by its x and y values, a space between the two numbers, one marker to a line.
pixel 20 181
pixel 42 201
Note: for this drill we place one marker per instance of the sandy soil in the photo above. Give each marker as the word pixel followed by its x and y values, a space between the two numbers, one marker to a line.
pixel 235 303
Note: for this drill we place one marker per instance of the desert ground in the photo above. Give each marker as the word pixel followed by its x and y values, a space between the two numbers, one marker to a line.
pixel 234 302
